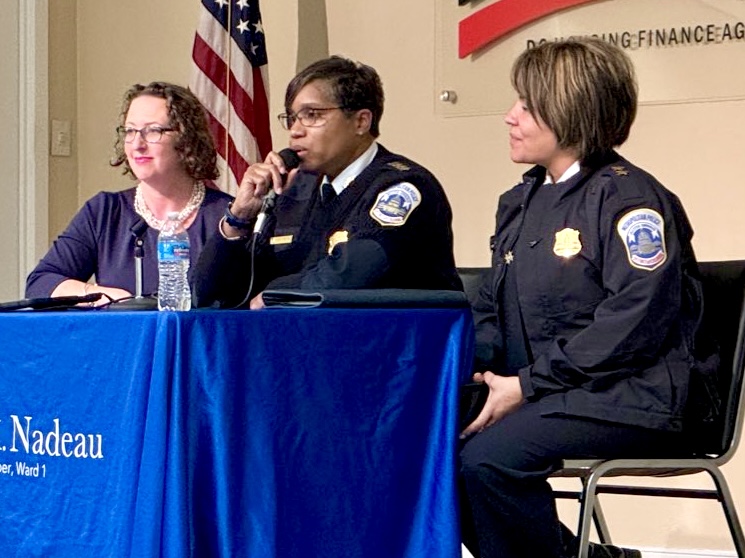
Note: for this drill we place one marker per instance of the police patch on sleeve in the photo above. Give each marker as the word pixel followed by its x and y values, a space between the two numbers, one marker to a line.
pixel 643 234
pixel 394 205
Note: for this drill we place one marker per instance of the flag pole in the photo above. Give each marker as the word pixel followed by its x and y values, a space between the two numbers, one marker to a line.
pixel 228 170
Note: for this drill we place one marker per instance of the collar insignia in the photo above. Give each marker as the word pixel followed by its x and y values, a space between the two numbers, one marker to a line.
pixel 398 165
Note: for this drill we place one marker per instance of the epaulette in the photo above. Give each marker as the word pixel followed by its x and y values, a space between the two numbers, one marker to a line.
pixel 399 166
pixel 623 177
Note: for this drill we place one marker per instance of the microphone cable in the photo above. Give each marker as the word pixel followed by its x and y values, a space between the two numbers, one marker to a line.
pixel 252 251
pixel 291 161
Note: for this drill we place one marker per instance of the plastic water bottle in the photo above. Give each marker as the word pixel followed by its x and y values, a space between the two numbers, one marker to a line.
pixel 173 266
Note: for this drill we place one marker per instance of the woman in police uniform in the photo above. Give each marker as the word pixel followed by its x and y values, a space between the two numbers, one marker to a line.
pixel 352 216
pixel 584 324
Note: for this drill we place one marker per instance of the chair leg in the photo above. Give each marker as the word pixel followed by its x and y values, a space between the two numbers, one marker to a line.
pixel 590 509
pixel 587 508
pixel 730 512
pixel 600 524
pixel 598 518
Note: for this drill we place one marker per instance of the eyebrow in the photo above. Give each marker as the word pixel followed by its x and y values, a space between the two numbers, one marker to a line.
pixel 130 123
pixel 318 105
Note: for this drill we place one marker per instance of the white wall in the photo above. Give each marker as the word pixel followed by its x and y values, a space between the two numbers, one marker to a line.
pixel 9 150
pixel 23 141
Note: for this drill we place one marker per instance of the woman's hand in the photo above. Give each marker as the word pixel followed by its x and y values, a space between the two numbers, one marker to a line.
pixel 113 294
pixel 258 179
pixel 505 396
pixel 257 303
pixel 73 287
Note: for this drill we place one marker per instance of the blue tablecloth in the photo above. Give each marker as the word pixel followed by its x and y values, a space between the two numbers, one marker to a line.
pixel 280 433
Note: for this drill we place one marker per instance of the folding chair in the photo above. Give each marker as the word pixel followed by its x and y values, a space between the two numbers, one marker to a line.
pixel 724 316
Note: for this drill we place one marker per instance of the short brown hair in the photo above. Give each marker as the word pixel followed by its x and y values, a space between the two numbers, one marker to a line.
pixel 194 143
pixel 353 86
pixel 583 89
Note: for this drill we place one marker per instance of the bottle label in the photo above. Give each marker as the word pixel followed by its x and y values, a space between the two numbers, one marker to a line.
pixel 173 251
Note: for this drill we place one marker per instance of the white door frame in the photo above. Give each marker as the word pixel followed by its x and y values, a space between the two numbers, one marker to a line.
pixel 33 134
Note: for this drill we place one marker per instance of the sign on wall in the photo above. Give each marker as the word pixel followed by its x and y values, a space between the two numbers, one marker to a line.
pixel 683 50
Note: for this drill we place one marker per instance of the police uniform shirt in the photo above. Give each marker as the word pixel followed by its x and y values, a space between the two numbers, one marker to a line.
pixel 599 295
pixel 347 176
pixel 517 353
pixel 391 227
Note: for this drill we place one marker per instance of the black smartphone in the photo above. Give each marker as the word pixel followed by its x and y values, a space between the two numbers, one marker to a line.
pixel 472 399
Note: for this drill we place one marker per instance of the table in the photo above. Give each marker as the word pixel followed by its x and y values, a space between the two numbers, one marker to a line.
pixel 278 433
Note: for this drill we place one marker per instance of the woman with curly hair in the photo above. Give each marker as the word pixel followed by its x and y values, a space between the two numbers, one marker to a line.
pixel 163 142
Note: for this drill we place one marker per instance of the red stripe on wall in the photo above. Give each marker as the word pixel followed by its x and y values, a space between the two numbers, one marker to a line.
pixel 503 17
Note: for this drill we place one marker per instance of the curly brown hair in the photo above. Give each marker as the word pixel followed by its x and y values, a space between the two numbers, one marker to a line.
pixel 194 143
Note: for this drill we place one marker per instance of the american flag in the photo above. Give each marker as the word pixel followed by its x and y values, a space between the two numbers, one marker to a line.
pixel 230 78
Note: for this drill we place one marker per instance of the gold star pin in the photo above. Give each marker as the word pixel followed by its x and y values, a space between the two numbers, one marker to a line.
pixel 620 171
pixel 509 257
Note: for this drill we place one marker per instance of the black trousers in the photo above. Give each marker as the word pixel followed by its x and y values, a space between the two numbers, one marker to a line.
pixel 507 506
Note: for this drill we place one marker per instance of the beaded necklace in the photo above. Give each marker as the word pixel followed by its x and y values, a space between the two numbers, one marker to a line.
pixel 197 197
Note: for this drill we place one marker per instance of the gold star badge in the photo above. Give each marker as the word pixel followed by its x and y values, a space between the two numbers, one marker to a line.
pixel 509 257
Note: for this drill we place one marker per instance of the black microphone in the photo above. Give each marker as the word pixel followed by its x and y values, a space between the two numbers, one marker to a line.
pixel 291 161
pixel 138 231
pixel 138 228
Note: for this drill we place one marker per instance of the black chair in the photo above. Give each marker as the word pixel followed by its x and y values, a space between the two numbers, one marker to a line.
pixel 724 317
pixel 471 278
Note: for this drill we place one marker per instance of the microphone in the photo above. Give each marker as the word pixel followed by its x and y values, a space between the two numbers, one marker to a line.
pixel 291 161
pixel 138 230
pixel 138 302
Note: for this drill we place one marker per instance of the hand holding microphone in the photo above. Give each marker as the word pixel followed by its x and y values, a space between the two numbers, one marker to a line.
pixel 256 194
pixel 291 161
pixel 262 177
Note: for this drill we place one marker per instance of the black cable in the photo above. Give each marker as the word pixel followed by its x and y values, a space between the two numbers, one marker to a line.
pixel 247 298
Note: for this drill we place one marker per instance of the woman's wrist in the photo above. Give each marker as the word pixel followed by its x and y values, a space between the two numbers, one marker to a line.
pixel 230 233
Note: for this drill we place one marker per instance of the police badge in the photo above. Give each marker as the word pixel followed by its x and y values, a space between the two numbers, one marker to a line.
pixel 566 243
pixel 643 234
pixel 337 238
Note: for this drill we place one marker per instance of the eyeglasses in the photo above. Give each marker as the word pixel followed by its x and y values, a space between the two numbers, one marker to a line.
pixel 309 117
pixel 151 134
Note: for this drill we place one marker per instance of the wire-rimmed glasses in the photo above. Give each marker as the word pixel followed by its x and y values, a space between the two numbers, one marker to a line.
pixel 150 134
pixel 309 117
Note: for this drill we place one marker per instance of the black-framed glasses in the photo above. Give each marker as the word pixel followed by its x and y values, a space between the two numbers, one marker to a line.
pixel 150 134
pixel 309 116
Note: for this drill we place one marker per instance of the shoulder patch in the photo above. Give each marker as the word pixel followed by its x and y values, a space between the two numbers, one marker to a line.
pixel 643 234
pixel 394 205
